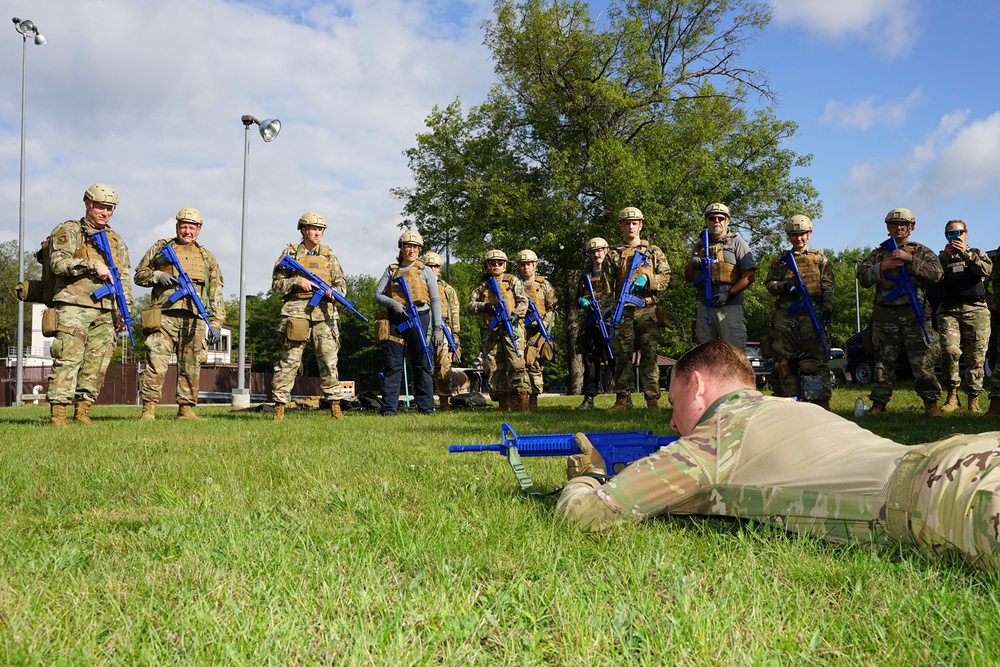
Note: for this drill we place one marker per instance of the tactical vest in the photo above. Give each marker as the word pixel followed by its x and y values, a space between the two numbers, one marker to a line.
pixel 78 288
pixel 192 259
pixel 960 283
pixel 319 264
pixel 808 263
pixel 887 286
pixel 413 275
pixel 445 305
pixel 723 272
pixel 506 283
pixel 87 248
pixel 534 290
pixel 625 254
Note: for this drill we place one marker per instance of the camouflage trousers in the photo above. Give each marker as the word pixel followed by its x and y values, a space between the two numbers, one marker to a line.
pixel 965 334
pixel 507 372
pixel 80 353
pixel 946 497
pixel 443 359
pixel 179 331
pixel 640 331
pixel 895 330
pixel 798 352
pixel 727 324
pixel 536 353
pixel 325 336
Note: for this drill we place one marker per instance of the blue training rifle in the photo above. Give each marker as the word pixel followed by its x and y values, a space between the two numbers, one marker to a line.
pixel 502 316
pixel 113 285
pixel 705 277
pixel 321 289
pixel 452 345
pixel 185 288
pixel 904 285
pixel 596 316
pixel 534 317
pixel 413 319
pixel 805 301
pixel 626 297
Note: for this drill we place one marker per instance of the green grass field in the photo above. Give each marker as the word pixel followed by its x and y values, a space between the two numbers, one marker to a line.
pixel 235 540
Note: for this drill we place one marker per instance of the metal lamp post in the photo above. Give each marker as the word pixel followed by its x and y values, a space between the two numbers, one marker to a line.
pixel 27 29
pixel 269 128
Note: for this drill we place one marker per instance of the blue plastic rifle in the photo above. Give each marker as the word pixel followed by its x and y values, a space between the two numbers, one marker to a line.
pixel 534 317
pixel 320 288
pixel 805 301
pixel 617 448
pixel 596 316
pixel 502 316
pixel 904 285
pixel 705 277
pixel 451 342
pixel 626 297
pixel 413 319
pixel 185 288
pixel 113 285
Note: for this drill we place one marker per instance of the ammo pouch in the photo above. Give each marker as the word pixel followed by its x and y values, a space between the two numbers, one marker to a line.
pixel 382 330
pixel 296 330
pixel 50 322
pixel 151 319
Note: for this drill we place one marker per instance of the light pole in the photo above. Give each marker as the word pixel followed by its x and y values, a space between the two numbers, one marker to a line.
pixel 27 29
pixel 269 128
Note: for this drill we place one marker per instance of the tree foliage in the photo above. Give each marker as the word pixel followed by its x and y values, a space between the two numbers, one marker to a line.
pixel 8 301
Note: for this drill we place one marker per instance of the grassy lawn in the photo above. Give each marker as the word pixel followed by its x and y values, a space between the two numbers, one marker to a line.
pixel 235 540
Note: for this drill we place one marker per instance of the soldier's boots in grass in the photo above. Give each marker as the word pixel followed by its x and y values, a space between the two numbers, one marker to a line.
pixel 335 411
pixel 58 415
pixel 878 408
pixel 521 401
pixel 279 412
pixel 82 413
pixel 951 403
pixel 503 402
pixel 994 411
pixel 148 411
pixel 931 408
pixel 587 404
pixel 532 402
pixel 621 404
pixel 653 403
pixel 974 403
pixel 444 403
pixel 186 412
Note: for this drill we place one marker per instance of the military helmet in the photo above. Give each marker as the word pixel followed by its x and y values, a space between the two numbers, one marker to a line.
pixel 595 243
pixel 411 237
pixel 526 256
pixel 716 208
pixel 191 215
pixel 313 220
pixel 900 214
pixel 99 193
pixel 798 224
pixel 432 259
pixel 629 213
pixel 494 254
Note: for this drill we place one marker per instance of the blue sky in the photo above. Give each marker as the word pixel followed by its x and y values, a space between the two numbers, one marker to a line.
pixel 894 99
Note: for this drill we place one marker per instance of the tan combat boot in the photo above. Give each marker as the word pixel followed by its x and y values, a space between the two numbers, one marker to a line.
pixel 58 412
pixel 186 412
pixel 621 404
pixel 878 408
pixel 951 403
pixel 523 400
pixel 503 402
pixel 444 403
pixel 148 411
pixel 532 402
pixel 994 411
pixel 931 408
pixel 82 413
pixel 974 403
pixel 653 403
pixel 335 411
pixel 279 412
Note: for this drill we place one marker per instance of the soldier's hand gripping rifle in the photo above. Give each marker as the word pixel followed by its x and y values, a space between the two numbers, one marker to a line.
pixel 904 285
pixel 705 277
pixel 502 316
pixel 626 297
pixel 413 319
pixel 452 345
pixel 113 285
pixel 320 288
pixel 598 317
pixel 185 288
pixel 534 317
pixel 805 301
pixel 617 448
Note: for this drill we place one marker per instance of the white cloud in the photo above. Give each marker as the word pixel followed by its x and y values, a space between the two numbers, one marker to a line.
pixel 968 164
pixel 889 24
pixel 148 98
pixel 868 112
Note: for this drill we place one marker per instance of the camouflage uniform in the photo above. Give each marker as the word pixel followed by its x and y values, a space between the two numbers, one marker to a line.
pixel 806 470
pixel 591 342
pixel 894 324
pixel 85 340
pixel 450 310
pixel 733 258
pixel 798 350
pixel 181 327
pixel 507 372
pixel 641 327
pixel 963 318
pixel 322 321
pixel 994 299
pixel 536 350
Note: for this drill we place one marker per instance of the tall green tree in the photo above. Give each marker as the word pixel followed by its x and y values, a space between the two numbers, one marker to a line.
pixel 8 301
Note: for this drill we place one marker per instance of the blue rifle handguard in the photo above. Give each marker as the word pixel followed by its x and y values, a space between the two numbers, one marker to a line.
pixel 904 285
pixel 451 342
pixel 805 301
pixel 185 288
pixel 114 285
pixel 413 319
pixel 321 288
pixel 502 316
pixel 705 277
pixel 534 317
pixel 626 298
pixel 596 316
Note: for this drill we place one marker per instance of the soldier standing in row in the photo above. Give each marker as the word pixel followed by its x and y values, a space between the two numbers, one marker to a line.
pixel 592 344
pixel 963 318
pixel 641 327
pixel 536 351
pixel 178 327
pixel 994 411
pixel 733 270
pixel 894 323
pixel 87 330
pixel 301 322
pixel 450 309
pixel 508 377
pixel 798 349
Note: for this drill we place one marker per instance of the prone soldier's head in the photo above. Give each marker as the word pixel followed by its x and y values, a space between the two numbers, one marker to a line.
pixel 716 219
pixel 900 223
pixel 100 201
pixel 495 262
pixel 188 225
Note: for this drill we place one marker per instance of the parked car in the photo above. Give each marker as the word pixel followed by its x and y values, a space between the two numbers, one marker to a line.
pixel 838 365
pixel 762 366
